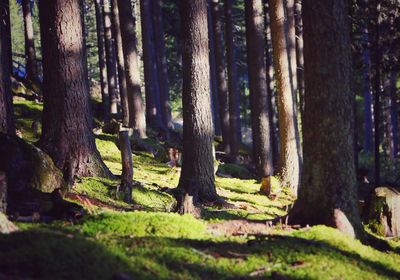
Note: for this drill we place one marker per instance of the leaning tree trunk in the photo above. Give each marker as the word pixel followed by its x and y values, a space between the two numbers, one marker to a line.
pixel 197 177
pixel 110 58
pixel 289 160
pixel 67 122
pixel 262 149
pixel 152 87
pixel 222 88
pixel 30 54
pixel 129 43
pixel 7 124
pixel 234 110
pixel 105 98
pixel 120 63
pixel 162 65
pixel 329 195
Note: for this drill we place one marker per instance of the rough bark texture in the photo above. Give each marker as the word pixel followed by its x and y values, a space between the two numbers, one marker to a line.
pixel 120 62
pixel 127 165
pixel 129 43
pixel 197 176
pixel 291 44
pixel 262 150
pixel 222 87
pixel 3 192
pixel 152 87
pixel 110 58
pixel 67 122
pixel 234 109
pixel 30 54
pixel 299 54
pixel 289 159
pixel 162 69
pixel 105 98
pixel 329 192
pixel 7 124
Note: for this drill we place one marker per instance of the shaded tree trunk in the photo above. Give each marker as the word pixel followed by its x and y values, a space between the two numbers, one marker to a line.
pixel 260 119
pixel 234 110
pixel 162 65
pixel 129 43
pixel 391 114
pixel 125 190
pixel 110 58
pixel 30 54
pixel 7 124
pixel 197 176
pixel 329 195
pixel 105 98
pixel 152 87
pixel 289 159
pixel 299 54
pixel 67 131
pixel 222 87
pixel 120 63
pixel 291 44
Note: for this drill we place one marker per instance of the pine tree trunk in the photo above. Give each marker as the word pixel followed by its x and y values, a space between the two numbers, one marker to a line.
pixel 234 110
pixel 162 65
pixel 394 113
pixel 289 160
pixel 30 54
pixel 222 87
pixel 105 98
pixel 213 80
pixel 152 87
pixel 129 43
pixel 291 44
pixel 197 176
pixel 120 63
pixel 7 124
pixel 67 122
pixel 127 165
pixel 299 54
pixel 329 195
pixel 260 119
pixel 110 58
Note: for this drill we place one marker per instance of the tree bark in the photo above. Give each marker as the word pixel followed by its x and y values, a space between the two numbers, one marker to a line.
pixel 299 54
pixel 197 176
pixel 329 195
pixel 289 159
pixel 234 110
pixel 129 43
pixel 127 165
pixel 152 87
pixel 162 68
pixel 291 44
pixel 3 192
pixel 30 54
pixel 105 97
pixel 260 120
pixel 120 63
pixel 110 58
pixel 222 88
pixel 67 121
pixel 7 124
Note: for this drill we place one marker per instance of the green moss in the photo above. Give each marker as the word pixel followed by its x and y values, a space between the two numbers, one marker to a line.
pixel 235 170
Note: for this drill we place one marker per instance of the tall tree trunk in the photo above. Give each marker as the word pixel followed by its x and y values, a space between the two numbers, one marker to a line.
pixel 162 65
pixel 30 54
pixel 120 63
pixel 67 121
pixel 234 110
pixel 271 102
pixel 129 43
pixel 105 98
pixel 110 58
pixel 291 44
pixel 262 149
pixel 7 124
pixel 289 160
pixel 213 75
pixel 222 87
pixel 152 87
pixel 391 114
pixel 394 113
pixel 329 195
pixel 299 54
pixel 197 176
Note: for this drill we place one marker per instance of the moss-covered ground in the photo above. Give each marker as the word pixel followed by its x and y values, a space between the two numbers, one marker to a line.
pixel 115 240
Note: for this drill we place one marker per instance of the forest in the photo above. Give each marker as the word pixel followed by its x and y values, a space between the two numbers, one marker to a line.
pixel 199 139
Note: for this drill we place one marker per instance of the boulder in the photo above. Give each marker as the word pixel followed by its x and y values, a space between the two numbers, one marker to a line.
pixel 5 225
pixel 384 211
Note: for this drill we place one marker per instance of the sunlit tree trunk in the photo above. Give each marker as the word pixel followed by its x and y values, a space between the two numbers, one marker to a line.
pixel 67 121
pixel 197 176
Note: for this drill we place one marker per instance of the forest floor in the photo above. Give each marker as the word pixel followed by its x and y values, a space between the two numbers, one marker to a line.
pixel 114 240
